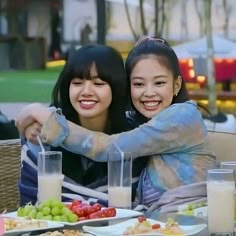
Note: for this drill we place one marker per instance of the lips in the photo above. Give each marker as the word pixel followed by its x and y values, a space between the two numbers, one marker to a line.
pixel 151 105
pixel 87 104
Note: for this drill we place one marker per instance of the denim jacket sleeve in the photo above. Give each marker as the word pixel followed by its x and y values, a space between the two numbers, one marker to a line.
pixel 178 128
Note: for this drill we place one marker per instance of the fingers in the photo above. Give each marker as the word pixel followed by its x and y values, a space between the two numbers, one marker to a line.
pixel 32 131
pixel 29 115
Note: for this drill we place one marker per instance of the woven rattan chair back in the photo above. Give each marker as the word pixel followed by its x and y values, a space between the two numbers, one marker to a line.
pixel 9 173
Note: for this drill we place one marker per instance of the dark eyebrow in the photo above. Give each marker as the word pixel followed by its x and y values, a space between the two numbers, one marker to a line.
pixel 155 77
pixel 137 77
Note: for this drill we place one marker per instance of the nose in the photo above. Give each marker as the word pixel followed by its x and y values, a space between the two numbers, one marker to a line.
pixel 149 91
pixel 87 88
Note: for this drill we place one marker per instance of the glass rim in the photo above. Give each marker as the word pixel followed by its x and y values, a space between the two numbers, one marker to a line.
pixel 221 171
pixel 230 163
pixel 50 152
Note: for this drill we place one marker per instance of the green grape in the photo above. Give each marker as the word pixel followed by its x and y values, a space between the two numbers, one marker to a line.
pixel 72 218
pixel 40 206
pixel 190 207
pixel 46 211
pixel 189 212
pixel 56 203
pixel 65 211
pixel 46 203
pixel 21 212
pixel 32 213
pixel 28 208
pixel 48 217
pixel 39 215
pixel 55 211
pixel 64 218
pixel 56 218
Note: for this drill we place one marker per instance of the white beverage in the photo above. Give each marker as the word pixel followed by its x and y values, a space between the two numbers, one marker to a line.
pixel 49 186
pixel 221 206
pixel 119 197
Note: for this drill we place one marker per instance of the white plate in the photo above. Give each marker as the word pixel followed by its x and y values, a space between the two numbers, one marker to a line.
pixel 118 229
pixel 51 225
pixel 120 214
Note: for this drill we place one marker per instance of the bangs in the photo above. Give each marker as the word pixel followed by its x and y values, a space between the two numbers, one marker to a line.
pixel 80 68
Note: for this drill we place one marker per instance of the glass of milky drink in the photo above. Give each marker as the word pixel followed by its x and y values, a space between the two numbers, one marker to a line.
pixel 221 201
pixel 49 175
pixel 230 165
pixel 119 179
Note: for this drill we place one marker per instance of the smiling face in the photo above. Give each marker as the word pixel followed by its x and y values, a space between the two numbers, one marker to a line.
pixel 91 98
pixel 152 86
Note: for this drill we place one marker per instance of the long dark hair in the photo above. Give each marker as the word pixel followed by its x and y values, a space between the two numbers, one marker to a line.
pixel 110 68
pixel 166 56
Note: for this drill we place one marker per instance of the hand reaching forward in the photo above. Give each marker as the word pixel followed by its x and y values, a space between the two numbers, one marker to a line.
pixel 32 131
pixel 29 115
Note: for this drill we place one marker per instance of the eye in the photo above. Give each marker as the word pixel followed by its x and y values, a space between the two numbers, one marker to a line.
pixel 99 82
pixel 77 81
pixel 160 83
pixel 137 84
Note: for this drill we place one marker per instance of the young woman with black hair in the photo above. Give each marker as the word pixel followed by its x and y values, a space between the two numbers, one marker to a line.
pixel 90 94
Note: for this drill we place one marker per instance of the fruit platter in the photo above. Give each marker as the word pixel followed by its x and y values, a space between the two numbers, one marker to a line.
pixel 73 213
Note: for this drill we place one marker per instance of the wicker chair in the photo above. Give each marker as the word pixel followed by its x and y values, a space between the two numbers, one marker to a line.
pixel 223 144
pixel 9 173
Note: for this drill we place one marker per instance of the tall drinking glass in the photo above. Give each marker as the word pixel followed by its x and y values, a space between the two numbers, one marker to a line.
pixel 119 179
pixel 49 175
pixel 230 165
pixel 221 203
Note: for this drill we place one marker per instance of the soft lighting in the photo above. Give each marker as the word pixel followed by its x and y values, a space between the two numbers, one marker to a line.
pixel 191 73
pixel 229 60
pixel 51 64
pixel 201 79
pixel 190 63
pixel 183 61
pixel 218 60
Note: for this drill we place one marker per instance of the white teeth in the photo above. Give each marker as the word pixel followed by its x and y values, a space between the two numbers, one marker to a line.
pixel 88 102
pixel 150 104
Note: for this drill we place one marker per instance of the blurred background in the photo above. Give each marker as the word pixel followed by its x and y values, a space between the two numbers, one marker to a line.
pixel 36 37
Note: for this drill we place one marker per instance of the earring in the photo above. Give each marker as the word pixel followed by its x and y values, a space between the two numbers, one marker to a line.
pixel 176 94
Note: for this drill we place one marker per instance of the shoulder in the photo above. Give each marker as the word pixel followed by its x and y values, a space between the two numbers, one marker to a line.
pixel 180 111
pixel 181 115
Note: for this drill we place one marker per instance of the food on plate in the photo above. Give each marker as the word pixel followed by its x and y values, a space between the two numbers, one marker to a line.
pixel 16 224
pixel 66 232
pixel 51 209
pixel 55 210
pixel 144 226
pixel 85 211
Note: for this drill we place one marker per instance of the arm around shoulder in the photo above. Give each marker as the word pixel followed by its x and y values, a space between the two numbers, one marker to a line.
pixel 173 129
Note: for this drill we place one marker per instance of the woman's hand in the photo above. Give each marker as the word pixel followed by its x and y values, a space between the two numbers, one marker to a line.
pixel 32 131
pixel 31 114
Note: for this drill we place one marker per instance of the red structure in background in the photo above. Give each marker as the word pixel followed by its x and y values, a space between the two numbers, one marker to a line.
pixel 225 70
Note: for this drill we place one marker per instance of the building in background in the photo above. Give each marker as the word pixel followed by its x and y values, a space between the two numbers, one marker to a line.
pixel 62 23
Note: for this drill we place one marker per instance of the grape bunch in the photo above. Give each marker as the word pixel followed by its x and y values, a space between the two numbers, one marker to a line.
pixel 50 209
